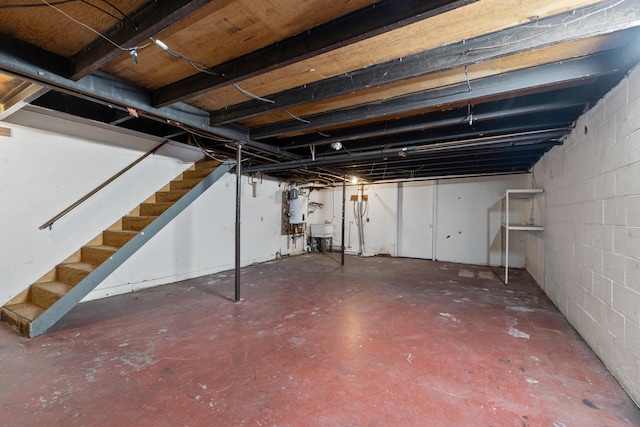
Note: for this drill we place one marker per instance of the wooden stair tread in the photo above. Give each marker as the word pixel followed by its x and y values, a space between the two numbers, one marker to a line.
pixel 118 238
pixel 78 266
pixel 97 254
pixel 125 232
pixel 45 294
pixel 182 184
pixel 25 310
pixel 154 208
pixel 104 247
pixel 170 195
pixel 207 164
pixel 55 287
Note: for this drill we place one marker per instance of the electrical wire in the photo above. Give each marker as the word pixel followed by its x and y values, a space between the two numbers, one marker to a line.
pixel 251 95
pixel 124 49
pixel 133 51
pixel 300 119
pixel 106 12
pixel 113 6
pixel 204 150
pixel 57 3
pixel 30 5
pixel 535 25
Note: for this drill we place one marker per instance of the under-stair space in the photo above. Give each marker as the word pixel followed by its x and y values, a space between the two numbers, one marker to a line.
pixel 48 299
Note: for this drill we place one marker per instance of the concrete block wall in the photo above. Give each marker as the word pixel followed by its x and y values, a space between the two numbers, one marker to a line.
pixel 588 258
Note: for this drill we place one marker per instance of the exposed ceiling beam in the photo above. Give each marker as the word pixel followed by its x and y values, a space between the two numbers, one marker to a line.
pixel 492 131
pixel 560 74
pixel 347 158
pixel 378 18
pixel 572 99
pixel 601 18
pixel 453 157
pixel 110 90
pixel 153 18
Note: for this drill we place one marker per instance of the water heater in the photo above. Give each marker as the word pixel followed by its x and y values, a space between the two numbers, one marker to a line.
pixel 298 209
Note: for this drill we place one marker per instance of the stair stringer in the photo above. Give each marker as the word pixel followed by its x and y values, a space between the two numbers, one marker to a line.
pixel 61 307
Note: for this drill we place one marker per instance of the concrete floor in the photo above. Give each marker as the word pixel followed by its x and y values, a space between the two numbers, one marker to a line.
pixel 380 342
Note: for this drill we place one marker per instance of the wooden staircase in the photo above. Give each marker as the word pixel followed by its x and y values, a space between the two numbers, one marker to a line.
pixel 48 299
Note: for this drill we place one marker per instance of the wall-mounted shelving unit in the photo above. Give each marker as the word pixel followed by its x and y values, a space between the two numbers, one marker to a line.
pixel 508 226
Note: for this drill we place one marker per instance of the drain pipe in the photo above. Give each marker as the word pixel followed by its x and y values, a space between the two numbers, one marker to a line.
pixel 238 196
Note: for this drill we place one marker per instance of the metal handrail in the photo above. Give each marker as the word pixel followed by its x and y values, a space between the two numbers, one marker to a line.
pixel 49 224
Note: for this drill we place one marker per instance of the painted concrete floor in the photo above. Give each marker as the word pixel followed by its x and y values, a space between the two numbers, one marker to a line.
pixel 380 342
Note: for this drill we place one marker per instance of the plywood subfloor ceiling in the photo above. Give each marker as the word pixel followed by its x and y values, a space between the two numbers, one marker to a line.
pixel 316 90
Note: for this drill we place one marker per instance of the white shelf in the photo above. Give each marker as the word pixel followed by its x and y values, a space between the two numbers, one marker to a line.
pixel 524 227
pixel 524 193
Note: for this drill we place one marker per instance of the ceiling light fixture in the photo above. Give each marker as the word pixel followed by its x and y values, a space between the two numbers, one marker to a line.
pixel 354 180
pixel 133 52
pixel 336 145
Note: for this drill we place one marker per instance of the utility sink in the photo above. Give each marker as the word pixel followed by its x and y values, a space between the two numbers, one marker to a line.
pixel 321 230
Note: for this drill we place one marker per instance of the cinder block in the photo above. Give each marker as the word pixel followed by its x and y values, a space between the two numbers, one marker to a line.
pixel 613 322
pixel 628 180
pixel 585 278
pixel 626 368
pixel 602 288
pixel 579 253
pixel 628 121
pixel 633 274
pixel 626 302
pixel 626 240
pixel 615 156
pixel 594 259
pixel 633 87
pixel 614 266
pixel 632 147
pixel 615 211
pixel 602 236
pixel 592 307
pixel 600 341
pixel 605 185
pixel 594 117
pixel 575 314
pixel 633 210
pixel 632 337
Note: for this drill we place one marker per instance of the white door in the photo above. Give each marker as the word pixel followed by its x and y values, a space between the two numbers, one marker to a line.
pixel 415 219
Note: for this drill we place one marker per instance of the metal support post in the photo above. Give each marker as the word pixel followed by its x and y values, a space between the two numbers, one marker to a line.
pixel 238 198
pixel 344 202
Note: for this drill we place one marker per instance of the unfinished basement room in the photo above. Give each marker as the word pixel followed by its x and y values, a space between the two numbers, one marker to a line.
pixel 320 213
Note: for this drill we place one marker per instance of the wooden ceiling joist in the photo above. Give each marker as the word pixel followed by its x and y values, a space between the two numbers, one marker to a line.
pixel 575 25
pixel 364 23
pixel 534 104
pixel 551 75
pixel 152 19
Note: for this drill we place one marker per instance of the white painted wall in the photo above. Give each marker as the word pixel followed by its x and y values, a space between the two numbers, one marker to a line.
pixel 466 227
pixel 416 209
pixel 48 163
pixel 468 218
pixel 588 258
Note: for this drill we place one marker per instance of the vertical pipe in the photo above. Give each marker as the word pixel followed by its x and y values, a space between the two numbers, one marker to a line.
pixel 360 218
pixel 434 220
pixel 238 196
pixel 344 202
